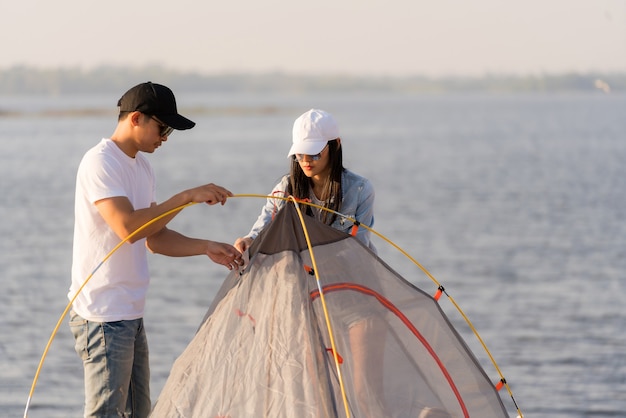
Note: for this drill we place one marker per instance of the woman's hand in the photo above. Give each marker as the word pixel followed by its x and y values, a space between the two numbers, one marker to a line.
pixel 242 244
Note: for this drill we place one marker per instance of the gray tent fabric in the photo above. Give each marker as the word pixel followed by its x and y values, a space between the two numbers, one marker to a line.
pixel 264 350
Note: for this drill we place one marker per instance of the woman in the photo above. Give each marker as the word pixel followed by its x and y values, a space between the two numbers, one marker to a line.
pixel 317 174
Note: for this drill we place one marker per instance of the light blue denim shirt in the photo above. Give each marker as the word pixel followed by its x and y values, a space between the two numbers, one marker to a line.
pixel 358 203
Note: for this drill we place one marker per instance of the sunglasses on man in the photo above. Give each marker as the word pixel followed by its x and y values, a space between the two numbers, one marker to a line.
pixel 164 130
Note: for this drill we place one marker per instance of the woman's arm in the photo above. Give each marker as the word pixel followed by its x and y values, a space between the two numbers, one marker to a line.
pixel 267 214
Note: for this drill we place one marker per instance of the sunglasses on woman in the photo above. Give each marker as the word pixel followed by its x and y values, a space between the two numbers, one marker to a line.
pixel 300 157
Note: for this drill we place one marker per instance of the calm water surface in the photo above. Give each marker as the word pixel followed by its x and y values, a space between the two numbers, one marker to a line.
pixel 514 203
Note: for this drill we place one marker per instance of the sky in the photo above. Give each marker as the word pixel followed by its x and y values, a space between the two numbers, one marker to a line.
pixel 340 37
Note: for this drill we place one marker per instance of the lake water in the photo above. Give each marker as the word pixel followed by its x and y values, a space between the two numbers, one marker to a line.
pixel 516 204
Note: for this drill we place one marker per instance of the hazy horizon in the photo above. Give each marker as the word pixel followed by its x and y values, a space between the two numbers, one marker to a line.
pixel 54 82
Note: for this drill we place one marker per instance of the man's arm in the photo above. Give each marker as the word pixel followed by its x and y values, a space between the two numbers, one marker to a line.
pixel 174 244
pixel 120 215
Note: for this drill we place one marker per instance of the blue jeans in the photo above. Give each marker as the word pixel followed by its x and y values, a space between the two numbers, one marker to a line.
pixel 117 371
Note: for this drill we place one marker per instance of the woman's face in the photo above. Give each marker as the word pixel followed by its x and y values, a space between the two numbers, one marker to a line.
pixel 315 168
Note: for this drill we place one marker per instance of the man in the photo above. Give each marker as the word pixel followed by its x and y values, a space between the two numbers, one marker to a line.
pixel 115 195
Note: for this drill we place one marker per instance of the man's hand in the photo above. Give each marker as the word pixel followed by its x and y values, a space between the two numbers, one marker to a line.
pixel 210 194
pixel 224 254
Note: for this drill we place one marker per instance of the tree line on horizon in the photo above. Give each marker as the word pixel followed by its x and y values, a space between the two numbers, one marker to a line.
pixel 23 80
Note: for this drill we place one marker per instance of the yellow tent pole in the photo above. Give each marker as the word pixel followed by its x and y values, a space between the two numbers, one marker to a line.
pixel 424 270
pixel 67 308
pixel 325 309
pixel 296 202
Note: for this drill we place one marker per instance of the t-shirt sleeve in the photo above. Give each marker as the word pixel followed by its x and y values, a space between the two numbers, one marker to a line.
pixel 100 178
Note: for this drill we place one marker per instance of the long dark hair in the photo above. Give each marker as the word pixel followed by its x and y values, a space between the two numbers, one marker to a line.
pixel 300 184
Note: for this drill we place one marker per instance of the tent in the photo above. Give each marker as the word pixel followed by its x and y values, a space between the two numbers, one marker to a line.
pixel 371 344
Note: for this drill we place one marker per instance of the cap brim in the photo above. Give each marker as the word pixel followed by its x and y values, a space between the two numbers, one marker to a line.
pixel 308 148
pixel 176 121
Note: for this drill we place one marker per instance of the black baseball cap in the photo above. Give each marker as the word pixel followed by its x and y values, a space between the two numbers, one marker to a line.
pixel 155 100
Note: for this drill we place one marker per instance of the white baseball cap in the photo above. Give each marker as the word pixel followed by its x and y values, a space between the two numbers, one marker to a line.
pixel 311 131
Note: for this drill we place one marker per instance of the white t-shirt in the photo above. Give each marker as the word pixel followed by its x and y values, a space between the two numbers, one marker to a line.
pixel 117 289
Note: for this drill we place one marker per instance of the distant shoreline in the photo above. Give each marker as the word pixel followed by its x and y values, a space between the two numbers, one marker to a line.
pixel 112 111
pixel 22 80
